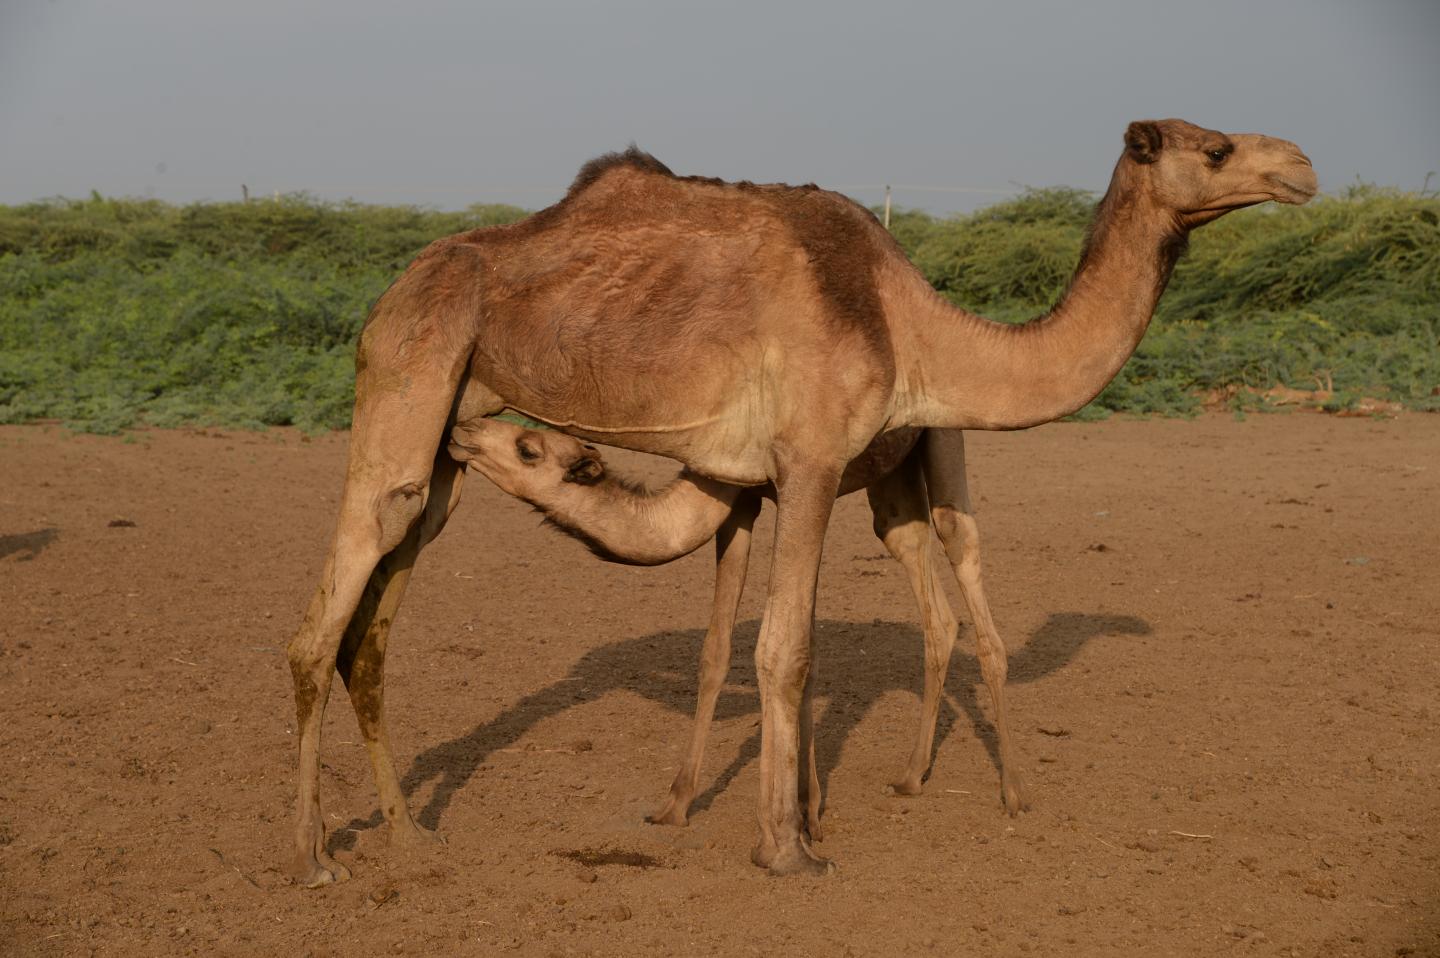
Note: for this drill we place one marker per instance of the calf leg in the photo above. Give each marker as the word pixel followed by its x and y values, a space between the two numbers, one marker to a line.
pixel 902 523
pixel 732 557
pixel 954 520
pixel 361 657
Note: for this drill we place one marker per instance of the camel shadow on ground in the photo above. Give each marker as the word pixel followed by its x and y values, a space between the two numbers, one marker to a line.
pixel 28 544
pixel 859 663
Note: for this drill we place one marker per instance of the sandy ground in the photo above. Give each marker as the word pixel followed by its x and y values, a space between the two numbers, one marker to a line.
pixel 1225 656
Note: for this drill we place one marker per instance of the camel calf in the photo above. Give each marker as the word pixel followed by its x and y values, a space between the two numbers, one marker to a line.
pixel 621 521
pixel 566 479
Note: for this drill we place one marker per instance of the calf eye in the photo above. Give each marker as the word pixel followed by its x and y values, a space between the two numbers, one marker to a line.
pixel 527 454
pixel 1217 156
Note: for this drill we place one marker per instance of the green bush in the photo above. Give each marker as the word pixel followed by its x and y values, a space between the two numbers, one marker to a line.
pixel 120 312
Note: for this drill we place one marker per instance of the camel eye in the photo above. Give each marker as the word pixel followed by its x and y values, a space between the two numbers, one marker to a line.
pixel 1217 156
pixel 527 453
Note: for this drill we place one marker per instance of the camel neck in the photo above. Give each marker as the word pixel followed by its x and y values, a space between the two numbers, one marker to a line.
pixel 963 371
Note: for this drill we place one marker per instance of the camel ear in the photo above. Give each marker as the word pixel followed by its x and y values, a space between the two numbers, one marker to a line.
pixel 1143 141
pixel 586 471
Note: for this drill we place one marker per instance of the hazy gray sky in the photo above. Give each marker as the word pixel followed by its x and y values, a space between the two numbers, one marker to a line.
pixel 449 103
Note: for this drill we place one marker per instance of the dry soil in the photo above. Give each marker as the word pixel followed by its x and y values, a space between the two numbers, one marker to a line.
pixel 1224 646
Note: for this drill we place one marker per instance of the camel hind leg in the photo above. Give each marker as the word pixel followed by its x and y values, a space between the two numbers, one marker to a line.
pixel 377 509
pixel 409 364
pixel 361 658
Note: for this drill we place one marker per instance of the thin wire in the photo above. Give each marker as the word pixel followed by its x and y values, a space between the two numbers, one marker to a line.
pixel 988 191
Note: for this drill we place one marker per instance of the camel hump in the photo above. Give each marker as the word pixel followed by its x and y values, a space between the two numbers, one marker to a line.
pixel 632 157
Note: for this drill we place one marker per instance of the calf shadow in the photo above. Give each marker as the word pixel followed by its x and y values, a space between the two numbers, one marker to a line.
pixel 859 663
pixel 27 544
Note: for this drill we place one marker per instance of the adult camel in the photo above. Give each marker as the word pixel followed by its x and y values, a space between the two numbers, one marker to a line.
pixel 757 334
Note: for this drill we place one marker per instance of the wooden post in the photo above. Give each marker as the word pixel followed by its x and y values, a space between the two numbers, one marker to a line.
pixel 887 206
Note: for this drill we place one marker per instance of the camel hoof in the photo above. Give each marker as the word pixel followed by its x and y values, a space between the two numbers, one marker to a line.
pixel 815 830
pixel 412 835
pixel 794 859
pixel 1012 792
pixel 905 788
pixel 669 815
pixel 315 874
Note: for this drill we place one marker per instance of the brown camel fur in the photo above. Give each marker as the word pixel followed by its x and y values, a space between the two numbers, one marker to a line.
pixel 757 334
pixel 624 522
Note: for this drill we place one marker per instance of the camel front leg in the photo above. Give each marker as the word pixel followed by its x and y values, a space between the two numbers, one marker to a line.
pixel 361 658
pixel 732 559
pixel 954 521
pixel 805 497
pixel 902 523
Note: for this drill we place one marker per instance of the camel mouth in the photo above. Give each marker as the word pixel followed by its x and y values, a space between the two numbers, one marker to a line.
pixel 459 453
pixel 1295 190
pixel 1279 189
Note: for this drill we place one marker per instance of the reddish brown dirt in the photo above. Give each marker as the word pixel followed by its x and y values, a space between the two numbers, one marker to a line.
pixel 1226 629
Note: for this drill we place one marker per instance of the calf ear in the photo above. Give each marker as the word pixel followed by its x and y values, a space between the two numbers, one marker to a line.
pixel 1143 141
pixel 585 471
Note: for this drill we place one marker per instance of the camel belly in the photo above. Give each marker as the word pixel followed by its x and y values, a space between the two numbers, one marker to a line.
pixel 728 444
pixel 882 457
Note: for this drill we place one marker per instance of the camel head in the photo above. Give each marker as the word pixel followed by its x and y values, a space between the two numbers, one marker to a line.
pixel 1200 175
pixel 524 462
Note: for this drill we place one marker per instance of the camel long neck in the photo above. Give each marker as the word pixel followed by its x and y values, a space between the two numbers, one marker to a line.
pixel 970 372
pixel 637 526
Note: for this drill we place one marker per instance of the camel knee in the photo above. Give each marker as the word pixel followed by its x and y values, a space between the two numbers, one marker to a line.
pixel 898 536
pixel 995 669
pixel 712 680
pixel 994 666
pixel 947 524
pixel 309 666
pixel 306 651
pixel 960 536
pixel 785 676
pixel 399 510
pixel 937 659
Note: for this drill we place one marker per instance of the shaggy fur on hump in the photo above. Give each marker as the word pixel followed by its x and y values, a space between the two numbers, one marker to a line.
pixel 632 156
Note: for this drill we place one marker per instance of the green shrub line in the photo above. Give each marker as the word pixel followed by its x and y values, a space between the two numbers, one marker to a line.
pixel 117 313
